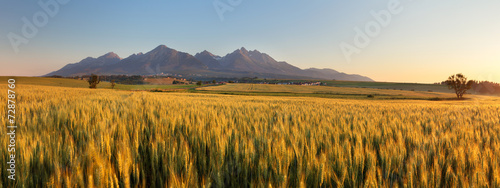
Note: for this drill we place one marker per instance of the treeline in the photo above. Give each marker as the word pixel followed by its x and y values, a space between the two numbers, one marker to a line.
pixel 120 79
pixel 483 87
pixel 124 79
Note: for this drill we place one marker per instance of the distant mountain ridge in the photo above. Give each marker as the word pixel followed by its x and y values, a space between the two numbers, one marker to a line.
pixel 163 60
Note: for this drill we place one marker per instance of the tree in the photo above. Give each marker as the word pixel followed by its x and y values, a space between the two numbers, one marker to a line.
pixel 199 83
pixel 459 83
pixel 93 81
pixel 113 84
pixel 214 82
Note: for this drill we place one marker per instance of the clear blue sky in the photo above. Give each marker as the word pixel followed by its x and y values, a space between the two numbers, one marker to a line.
pixel 426 42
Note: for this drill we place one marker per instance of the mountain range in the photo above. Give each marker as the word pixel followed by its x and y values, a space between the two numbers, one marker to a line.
pixel 164 60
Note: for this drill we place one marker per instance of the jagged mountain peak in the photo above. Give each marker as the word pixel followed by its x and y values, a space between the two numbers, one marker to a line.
pixel 162 48
pixel 88 59
pixel 135 55
pixel 205 52
pixel 161 51
pixel 209 59
pixel 242 50
pixel 245 52
pixel 110 55
pixel 254 51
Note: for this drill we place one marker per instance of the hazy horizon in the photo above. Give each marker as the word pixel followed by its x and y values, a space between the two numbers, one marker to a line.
pixel 421 42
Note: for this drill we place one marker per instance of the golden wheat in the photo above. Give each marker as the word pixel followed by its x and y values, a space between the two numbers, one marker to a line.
pixel 104 138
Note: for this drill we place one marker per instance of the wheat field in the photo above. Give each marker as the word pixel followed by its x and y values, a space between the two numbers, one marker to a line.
pixel 346 91
pixel 73 137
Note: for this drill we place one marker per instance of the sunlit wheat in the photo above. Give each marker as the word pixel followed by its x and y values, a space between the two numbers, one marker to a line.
pixel 102 138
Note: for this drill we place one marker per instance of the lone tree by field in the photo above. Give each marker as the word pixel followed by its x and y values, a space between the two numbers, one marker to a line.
pixel 93 81
pixel 113 84
pixel 199 83
pixel 459 83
